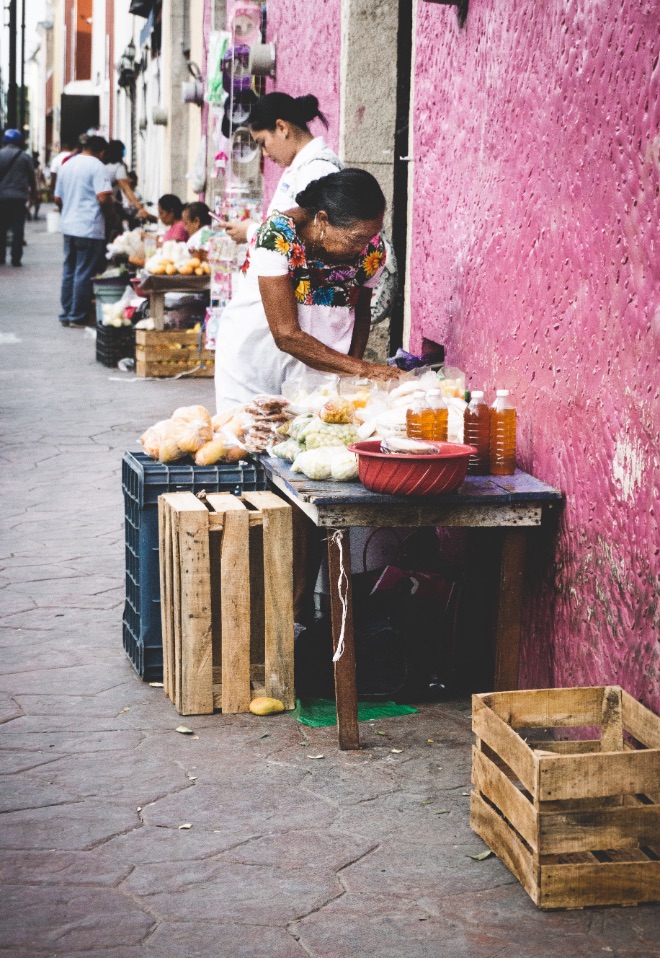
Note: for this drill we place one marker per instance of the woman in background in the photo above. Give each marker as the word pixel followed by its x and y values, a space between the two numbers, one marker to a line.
pixel 197 221
pixel 279 124
pixel 170 213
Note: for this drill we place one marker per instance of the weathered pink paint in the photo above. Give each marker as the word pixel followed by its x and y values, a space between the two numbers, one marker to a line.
pixel 535 259
pixel 308 40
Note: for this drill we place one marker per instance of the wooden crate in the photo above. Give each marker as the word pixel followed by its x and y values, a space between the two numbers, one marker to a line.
pixel 166 354
pixel 226 579
pixel 576 821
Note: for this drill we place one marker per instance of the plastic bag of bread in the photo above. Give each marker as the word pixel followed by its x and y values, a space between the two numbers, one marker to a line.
pixel 191 427
pixel 170 449
pixel 153 437
pixel 223 447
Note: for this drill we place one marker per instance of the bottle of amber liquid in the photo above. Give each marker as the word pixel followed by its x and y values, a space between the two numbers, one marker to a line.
pixel 476 432
pixel 439 424
pixel 419 417
pixel 502 435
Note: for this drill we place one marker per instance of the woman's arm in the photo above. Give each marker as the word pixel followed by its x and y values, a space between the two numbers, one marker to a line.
pixel 362 324
pixel 282 315
pixel 125 187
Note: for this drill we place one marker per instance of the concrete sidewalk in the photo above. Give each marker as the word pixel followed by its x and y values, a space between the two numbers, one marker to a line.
pixel 344 856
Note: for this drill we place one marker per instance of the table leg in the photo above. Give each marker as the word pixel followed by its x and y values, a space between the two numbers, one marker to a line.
pixel 157 309
pixel 339 568
pixel 507 625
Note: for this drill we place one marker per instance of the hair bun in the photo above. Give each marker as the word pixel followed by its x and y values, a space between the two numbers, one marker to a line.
pixel 308 107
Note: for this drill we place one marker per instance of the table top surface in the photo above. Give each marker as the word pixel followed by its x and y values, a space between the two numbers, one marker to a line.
pixel 517 489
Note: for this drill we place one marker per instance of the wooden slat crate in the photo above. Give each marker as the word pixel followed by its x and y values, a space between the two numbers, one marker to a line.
pixel 226 576
pixel 578 821
pixel 164 354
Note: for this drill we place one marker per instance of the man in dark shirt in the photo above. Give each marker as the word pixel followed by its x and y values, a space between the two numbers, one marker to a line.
pixel 17 185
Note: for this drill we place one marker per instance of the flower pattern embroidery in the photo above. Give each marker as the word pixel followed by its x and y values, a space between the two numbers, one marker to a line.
pixel 316 283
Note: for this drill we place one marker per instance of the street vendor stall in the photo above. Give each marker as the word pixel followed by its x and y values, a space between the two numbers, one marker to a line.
pixel 512 504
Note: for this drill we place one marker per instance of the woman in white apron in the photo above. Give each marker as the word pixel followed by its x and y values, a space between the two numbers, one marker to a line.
pixel 278 123
pixel 304 296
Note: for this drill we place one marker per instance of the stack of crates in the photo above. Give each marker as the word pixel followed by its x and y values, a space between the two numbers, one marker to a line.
pixel 143 481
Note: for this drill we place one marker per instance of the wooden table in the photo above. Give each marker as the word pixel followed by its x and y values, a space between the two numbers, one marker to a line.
pixel 158 287
pixel 513 504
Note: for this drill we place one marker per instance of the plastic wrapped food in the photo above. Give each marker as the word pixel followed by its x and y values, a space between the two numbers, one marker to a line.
pixel 224 447
pixel 330 463
pixel 318 434
pixel 153 437
pixel 169 450
pixel 407 447
pixel 287 450
pixel 344 466
pixel 337 410
pixel 297 425
pixel 192 427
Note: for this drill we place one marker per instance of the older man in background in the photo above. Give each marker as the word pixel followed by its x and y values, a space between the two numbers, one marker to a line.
pixel 17 186
pixel 84 195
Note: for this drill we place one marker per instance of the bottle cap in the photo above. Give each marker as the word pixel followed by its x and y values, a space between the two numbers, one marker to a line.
pixel 501 392
pixel 477 394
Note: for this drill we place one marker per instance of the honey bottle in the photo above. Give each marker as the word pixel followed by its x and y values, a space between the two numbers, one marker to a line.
pixel 439 424
pixel 502 435
pixel 476 432
pixel 419 417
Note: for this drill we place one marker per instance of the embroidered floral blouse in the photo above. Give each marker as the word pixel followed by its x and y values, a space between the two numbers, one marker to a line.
pixel 316 283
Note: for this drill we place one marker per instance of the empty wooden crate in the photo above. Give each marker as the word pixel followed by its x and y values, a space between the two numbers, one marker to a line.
pixel 577 821
pixel 226 600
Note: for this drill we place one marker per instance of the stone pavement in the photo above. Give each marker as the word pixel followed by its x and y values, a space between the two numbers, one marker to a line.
pixel 345 856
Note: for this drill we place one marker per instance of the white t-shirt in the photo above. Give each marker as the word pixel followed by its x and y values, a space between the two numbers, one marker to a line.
pixel 311 163
pixel 79 182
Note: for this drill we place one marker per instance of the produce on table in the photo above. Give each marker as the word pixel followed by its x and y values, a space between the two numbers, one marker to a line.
pixel 332 462
pixel 174 259
pixel 337 411
pixel 266 414
pixel 287 450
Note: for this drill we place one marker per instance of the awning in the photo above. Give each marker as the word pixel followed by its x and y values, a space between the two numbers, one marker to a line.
pixel 141 8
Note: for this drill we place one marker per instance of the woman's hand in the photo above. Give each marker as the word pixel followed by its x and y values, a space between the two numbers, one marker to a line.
pixel 238 230
pixel 381 373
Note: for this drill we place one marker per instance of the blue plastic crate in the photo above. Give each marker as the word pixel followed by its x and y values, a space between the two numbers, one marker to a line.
pixel 143 481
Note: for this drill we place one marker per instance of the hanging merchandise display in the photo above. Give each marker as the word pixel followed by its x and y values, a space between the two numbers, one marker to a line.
pixel 236 76
pixel 219 41
pixel 237 109
pixel 246 23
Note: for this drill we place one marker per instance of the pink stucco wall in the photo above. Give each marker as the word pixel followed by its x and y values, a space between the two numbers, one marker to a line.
pixel 536 260
pixel 308 39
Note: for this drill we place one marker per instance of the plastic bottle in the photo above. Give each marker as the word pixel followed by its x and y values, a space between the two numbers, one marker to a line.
pixel 419 417
pixel 502 435
pixel 440 421
pixel 476 432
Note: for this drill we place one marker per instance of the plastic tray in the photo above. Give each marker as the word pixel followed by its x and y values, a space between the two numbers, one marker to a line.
pixel 143 480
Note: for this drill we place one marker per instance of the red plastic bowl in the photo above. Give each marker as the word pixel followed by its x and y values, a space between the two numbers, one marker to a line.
pixel 403 475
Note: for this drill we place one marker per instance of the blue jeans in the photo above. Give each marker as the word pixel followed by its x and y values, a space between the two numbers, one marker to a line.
pixel 83 259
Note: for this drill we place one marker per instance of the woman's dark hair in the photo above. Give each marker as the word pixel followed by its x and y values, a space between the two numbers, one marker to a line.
pixel 199 211
pixel 347 196
pixel 299 110
pixel 171 204
pixel 114 152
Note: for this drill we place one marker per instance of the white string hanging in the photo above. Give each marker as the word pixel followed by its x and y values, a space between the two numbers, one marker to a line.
pixel 338 539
